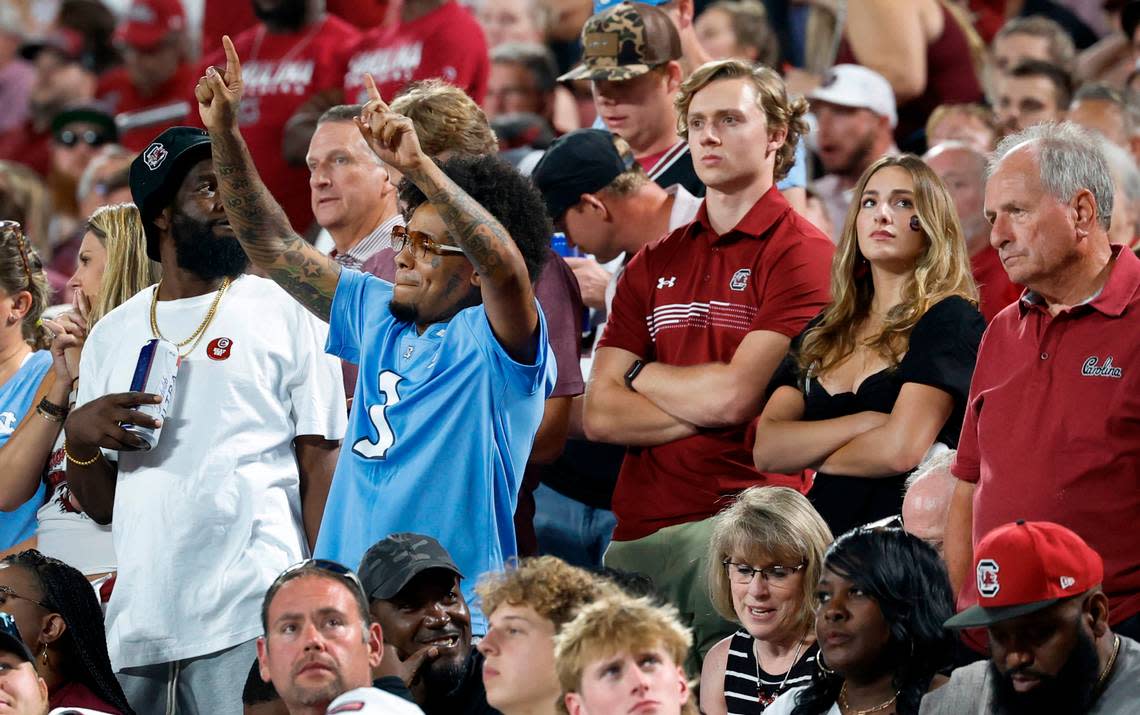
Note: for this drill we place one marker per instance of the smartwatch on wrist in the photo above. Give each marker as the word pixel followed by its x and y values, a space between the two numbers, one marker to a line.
pixel 632 373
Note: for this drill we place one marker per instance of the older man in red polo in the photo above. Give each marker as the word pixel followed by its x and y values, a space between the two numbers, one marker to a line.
pixel 1052 429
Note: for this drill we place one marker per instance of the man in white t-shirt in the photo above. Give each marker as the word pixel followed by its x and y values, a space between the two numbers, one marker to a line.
pixel 234 490
pixel 321 646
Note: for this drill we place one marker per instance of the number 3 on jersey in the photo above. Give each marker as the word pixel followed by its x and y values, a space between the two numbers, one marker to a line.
pixel 385 437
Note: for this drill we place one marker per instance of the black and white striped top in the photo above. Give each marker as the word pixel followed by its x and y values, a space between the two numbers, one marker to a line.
pixel 747 694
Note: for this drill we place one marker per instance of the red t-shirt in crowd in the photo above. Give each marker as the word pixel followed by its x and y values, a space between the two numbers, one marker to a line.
pixel 994 287
pixel 1052 428
pixel 690 299
pixel 25 145
pixel 280 72
pixel 78 695
pixel 176 94
pixel 447 43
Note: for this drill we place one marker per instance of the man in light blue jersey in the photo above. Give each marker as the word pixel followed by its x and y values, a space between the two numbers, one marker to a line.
pixel 454 359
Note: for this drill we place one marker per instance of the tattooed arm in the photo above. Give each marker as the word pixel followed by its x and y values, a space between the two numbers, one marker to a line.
pixel 508 296
pixel 257 219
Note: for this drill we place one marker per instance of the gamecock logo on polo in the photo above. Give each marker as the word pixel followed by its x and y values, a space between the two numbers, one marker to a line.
pixel 988 585
pixel 1107 369
pixel 154 155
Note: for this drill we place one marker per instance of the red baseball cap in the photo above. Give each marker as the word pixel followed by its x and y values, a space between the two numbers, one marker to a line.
pixel 148 22
pixel 1025 567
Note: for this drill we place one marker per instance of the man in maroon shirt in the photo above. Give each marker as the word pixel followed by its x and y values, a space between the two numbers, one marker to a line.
pixel 700 321
pixel 294 52
pixel 1052 428
pixel 150 92
pixel 434 39
pixel 963 171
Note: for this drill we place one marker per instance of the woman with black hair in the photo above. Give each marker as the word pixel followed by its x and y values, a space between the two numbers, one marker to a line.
pixel 883 597
pixel 62 624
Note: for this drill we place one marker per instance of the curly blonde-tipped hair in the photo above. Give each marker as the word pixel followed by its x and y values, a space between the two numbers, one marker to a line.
pixel 613 625
pixel 771 99
pixel 549 585
pixel 446 119
pixel 763 525
pixel 942 271
pixel 128 270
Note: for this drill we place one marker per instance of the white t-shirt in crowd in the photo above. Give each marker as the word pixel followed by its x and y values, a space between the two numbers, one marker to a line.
pixel 66 533
pixel 206 520
pixel 372 701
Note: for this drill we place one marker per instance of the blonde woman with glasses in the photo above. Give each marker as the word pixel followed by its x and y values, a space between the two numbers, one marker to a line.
pixel 111 267
pixel 765 558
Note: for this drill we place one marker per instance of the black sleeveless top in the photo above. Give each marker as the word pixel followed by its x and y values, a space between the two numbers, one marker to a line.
pixel 941 353
pixel 747 688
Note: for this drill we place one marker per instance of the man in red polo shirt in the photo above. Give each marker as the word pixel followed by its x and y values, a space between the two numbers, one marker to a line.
pixel 1052 429
pixel 433 39
pixel 963 170
pixel 700 321
pixel 295 51
pixel 152 90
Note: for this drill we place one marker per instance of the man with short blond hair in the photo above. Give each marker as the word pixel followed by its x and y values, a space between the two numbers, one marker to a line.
pixel 700 321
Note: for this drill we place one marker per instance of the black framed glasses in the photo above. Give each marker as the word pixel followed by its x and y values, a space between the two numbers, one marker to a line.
pixel 421 243
pixel 6 593
pixel 90 137
pixel 775 575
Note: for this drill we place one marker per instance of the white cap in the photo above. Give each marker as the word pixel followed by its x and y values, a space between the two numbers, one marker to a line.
pixel 372 701
pixel 857 86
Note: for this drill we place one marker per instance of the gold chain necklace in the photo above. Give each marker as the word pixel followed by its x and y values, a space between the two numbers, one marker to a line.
pixel 1108 666
pixel 197 335
pixel 845 707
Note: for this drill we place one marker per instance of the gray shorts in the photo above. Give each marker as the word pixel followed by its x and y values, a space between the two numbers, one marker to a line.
pixel 207 685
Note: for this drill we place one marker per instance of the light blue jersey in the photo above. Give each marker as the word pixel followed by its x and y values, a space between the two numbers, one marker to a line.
pixel 439 434
pixel 15 401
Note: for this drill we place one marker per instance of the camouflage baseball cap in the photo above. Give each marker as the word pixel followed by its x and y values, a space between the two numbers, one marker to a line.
pixel 624 42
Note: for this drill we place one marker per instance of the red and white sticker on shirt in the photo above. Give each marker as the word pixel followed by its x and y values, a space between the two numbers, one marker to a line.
pixel 219 349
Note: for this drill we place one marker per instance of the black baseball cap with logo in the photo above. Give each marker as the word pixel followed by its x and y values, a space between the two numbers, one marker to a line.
pixel 158 171
pixel 395 560
pixel 584 161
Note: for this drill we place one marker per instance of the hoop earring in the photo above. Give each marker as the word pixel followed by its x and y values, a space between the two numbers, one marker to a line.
pixel 822 666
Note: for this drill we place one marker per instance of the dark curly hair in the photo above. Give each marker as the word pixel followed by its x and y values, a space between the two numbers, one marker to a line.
pixel 84 644
pixel 506 194
pixel 909 583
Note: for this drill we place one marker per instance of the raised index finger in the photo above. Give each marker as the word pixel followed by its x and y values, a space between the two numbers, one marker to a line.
pixel 373 93
pixel 233 64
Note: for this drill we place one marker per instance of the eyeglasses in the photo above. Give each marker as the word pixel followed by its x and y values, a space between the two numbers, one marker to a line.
pixel 330 567
pixel 13 231
pixel 421 243
pixel 6 593
pixel 90 137
pixel 776 576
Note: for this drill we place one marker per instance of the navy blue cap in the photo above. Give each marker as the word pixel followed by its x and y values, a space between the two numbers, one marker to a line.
pixel 584 161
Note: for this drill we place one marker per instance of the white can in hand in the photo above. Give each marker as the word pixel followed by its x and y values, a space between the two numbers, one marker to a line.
pixel 155 373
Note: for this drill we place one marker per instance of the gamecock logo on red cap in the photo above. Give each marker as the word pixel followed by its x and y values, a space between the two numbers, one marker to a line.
pixel 988 585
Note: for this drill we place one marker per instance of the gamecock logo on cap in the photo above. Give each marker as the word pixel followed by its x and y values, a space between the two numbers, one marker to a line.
pixel 988 585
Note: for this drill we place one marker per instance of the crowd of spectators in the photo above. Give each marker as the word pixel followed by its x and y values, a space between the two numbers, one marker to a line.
pixel 537 356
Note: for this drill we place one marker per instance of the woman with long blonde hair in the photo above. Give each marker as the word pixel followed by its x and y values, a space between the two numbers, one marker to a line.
pixel 882 374
pixel 112 266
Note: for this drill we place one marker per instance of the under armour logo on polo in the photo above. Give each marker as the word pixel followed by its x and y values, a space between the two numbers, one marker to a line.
pixel 667 282
pixel 1107 369
pixel 154 156
pixel 988 585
